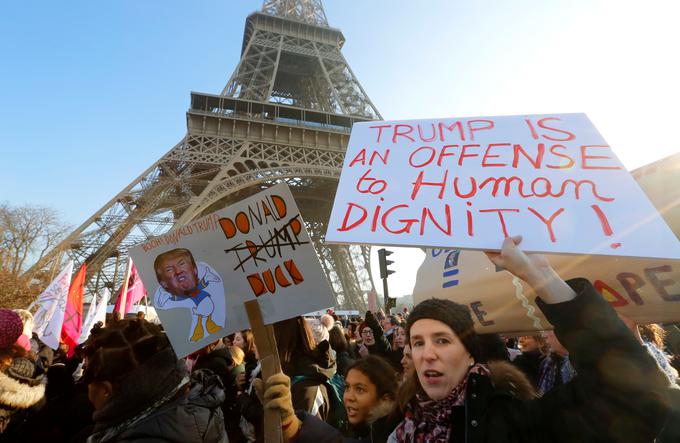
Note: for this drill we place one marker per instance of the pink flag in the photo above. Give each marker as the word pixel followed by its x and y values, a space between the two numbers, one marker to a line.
pixel 72 327
pixel 135 291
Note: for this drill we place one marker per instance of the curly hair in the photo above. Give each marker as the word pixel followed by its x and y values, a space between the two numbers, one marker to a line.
pixel 120 347
pixel 380 373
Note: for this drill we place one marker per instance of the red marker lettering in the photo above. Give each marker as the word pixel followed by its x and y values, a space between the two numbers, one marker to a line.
pixel 500 217
pixel 549 222
pixel 585 157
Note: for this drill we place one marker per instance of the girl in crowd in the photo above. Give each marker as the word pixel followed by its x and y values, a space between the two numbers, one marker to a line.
pixel 246 341
pixel 396 354
pixel 142 392
pixel 619 395
pixel 369 399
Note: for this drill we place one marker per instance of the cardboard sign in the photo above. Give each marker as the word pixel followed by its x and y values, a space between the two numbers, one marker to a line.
pixel 199 276
pixel 469 182
pixel 646 290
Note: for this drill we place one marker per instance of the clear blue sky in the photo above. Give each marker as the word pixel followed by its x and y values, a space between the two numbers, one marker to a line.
pixel 92 93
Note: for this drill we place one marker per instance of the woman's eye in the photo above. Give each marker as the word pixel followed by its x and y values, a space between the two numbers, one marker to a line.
pixel 417 344
pixel 443 341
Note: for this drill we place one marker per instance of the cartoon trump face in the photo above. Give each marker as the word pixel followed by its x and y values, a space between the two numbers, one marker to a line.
pixel 176 272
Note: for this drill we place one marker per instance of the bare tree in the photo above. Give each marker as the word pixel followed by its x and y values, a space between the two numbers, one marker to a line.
pixel 26 234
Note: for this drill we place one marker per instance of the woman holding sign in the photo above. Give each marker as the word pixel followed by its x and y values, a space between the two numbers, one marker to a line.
pixel 619 394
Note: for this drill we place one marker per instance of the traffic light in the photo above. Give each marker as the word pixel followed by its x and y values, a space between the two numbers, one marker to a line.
pixel 384 262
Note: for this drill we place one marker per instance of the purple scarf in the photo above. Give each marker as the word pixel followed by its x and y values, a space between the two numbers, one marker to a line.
pixel 427 420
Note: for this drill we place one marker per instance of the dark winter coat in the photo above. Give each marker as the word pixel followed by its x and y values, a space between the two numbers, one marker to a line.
pixel 529 362
pixel 314 430
pixel 310 374
pixel 158 404
pixel 620 395
pixel 344 361
pixel 22 392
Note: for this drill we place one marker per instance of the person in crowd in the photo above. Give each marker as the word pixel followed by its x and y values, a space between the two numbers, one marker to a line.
pixel 228 340
pixel 534 349
pixel 619 394
pixel 116 316
pixel 246 341
pixel 389 323
pixel 217 358
pixel 141 315
pixel 556 368
pixel 339 344
pixel 405 313
pixel 227 363
pixel 369 397
pixel 311 368
pixel 141 391
pixel 398 341
pixel 406 364
pixel 21 389
pixel 319 330
pixel 373 341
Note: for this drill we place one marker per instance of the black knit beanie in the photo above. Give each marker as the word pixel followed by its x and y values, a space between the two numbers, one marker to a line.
pixel 454 315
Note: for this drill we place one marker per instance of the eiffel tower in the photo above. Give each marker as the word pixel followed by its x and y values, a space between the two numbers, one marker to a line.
pixel 284 115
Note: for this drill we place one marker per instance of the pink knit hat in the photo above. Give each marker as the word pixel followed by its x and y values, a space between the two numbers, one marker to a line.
pixel 11 327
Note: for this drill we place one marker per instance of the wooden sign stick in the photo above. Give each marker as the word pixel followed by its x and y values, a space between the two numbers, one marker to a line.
pixel 269 359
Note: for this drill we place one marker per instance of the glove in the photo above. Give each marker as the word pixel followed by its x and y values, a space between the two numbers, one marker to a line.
pixel 277 397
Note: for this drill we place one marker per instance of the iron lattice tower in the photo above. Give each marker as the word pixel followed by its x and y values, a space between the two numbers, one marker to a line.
pixel 285 115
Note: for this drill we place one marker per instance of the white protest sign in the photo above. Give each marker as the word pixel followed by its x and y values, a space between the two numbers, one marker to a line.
pixel 201 274
pixel 469 182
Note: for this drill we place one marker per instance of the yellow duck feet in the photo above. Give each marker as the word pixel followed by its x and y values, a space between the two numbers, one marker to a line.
pixel 211 326
pixel 198 330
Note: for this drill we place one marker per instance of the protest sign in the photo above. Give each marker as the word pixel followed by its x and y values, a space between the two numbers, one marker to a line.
pixel 470 182
pixel 646 290
pixel 201 274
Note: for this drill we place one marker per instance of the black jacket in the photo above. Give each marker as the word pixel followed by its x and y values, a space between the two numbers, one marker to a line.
pixel 529 362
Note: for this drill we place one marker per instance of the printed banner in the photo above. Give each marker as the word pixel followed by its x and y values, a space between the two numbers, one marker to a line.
pixel 201 274
pixel 469 182
pixel 49 317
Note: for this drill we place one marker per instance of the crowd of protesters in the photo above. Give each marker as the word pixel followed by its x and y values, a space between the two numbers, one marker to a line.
pixel 423 376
